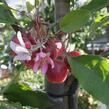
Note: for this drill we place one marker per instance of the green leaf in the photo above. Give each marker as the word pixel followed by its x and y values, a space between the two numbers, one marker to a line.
pixel 74 20
pixel 78 18
pixel 37 2
pixel 3 107
pixel 96 5
pixel 72 1
pixel 16 105
pixel 49 2
pixel 29 6
pixel 93 74
pixel 23 94
pixel 99 22
pixel 6 15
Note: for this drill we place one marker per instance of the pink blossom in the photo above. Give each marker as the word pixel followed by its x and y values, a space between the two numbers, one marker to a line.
pixel 41 62
pixel 21 51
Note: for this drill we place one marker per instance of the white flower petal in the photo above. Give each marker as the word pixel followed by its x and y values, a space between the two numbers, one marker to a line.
pixel 19 36
pixel 20 49
pixel 17 48
pixel 37 58
pixel 59 45
pixel 13 46
pixel 22 57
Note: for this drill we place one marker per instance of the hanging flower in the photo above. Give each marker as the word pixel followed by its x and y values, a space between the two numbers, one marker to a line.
pixel 41 62
pixel 21 49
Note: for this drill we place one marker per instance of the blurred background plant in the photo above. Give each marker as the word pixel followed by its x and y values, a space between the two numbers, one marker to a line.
pixel 86 101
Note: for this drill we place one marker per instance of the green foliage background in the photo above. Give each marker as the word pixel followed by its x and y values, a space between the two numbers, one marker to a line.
pixel 83 23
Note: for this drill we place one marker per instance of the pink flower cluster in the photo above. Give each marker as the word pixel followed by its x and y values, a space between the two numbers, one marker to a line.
pixel 24 51
pixel 42 52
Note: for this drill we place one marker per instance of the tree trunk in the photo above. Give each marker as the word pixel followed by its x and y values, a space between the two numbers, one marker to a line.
pixel 56 91
pixel 61 8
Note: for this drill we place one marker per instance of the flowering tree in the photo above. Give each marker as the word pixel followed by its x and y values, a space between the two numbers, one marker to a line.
pixel 42 47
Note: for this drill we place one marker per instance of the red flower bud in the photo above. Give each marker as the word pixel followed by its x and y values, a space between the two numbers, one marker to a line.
pixel 59 73
pixel 55 47
pixel 27 45
pixel 74 53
